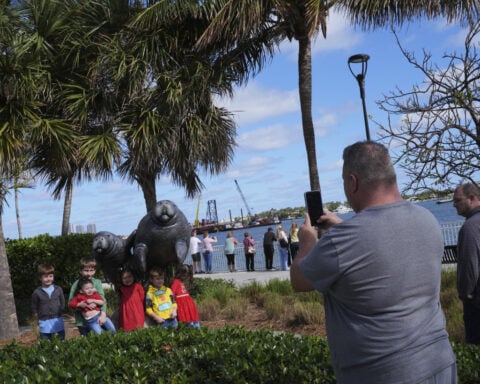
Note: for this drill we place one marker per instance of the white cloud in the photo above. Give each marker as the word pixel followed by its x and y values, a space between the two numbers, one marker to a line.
pixel 254 103
pixel 271 137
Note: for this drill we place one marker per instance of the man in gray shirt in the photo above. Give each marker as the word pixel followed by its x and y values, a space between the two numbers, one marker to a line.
pixel 379 272
pixel 466 200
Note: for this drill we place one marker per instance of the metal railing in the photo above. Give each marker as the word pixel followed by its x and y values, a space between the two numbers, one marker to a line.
pixel 219 262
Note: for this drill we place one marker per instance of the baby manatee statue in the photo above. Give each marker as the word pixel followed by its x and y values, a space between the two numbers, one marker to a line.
pixel 162 237
pixel 112 253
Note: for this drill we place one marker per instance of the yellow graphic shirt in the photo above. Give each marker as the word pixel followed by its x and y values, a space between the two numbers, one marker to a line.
pixel 160 301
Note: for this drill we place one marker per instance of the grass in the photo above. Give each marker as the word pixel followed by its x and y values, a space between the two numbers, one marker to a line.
pixel 219 299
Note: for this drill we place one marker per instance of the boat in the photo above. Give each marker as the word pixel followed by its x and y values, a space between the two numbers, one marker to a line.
pixel 443 201
pixel 343 209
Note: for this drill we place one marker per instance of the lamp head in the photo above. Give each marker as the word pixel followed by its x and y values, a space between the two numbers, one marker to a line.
pixel 359 58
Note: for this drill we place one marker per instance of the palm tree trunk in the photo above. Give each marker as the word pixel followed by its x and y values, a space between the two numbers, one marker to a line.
pixel 67 207
pixel 17 212
pixel 149 191
pixel 305 90
pixel 8 314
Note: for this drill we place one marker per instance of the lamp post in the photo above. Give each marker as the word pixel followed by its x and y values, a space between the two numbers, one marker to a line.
pixel 362 59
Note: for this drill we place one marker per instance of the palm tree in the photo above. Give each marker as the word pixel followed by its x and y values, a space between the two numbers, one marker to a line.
pixel 236 22
pixel 169 123
pixel 22 78
pixel 66 39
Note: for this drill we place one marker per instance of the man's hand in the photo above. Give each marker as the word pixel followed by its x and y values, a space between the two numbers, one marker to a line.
pixel 328 219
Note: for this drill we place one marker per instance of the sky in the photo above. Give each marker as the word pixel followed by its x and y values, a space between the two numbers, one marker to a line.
pixel 270 161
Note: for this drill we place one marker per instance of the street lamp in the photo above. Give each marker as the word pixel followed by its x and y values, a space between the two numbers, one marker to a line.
pixel 361 58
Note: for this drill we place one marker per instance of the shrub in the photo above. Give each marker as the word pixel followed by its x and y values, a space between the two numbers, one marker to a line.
pixel 230 355
pixel 235 309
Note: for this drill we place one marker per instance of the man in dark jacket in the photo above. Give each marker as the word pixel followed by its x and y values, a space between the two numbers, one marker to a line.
pixel 268 249
pixel 466 200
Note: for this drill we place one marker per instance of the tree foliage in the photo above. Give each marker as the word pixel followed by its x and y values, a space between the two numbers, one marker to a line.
pixel 438 137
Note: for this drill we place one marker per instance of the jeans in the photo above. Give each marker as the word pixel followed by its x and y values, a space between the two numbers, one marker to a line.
pixel 250 261
pixel 207 260
pixel 50 336
pixel 283 258
pixel 169 323
pixel 95 326
pixel 471 319
pixel 268 250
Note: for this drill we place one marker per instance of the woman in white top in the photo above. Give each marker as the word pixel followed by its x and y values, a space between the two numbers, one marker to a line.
pixel 283 247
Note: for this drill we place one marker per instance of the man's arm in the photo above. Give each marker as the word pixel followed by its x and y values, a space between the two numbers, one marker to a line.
pixel 307 236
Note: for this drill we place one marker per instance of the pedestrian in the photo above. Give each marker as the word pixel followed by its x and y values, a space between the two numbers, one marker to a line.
pixel 48 303
pixel 283 242
pixel 88 268
pixel 131 309
pixel 194 250
pixel 229 249
pixel 186 309
pixel 466 200
pixel 208 251
pixel 89 303
pixel 268 248
pixel 249 249
pixel 380 274
pixel 294 242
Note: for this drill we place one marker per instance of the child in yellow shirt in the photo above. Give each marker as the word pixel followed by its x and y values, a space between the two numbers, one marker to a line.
pixel 160 304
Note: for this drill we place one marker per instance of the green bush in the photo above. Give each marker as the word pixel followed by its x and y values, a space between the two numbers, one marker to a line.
pixel 24 255
pixel 184 355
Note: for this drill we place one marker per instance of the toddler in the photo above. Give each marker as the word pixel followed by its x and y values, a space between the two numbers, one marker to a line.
pixel 89 302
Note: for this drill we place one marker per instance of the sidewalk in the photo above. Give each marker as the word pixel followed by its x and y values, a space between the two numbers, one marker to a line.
pixel 244 278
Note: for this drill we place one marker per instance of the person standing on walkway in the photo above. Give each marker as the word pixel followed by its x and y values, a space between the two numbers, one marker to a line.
pixel 229 249
pixel 466 200
pixel 380 274
pixel 283 242
pixel 208 250
pixel 268 249
pixel 194 250
pixel 249 248
pixel 294 242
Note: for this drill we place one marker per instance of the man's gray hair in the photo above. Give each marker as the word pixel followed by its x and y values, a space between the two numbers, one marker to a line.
pixel 370 162
pixel 469 189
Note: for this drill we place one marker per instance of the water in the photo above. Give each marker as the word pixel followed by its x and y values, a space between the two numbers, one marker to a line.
pixel 445 214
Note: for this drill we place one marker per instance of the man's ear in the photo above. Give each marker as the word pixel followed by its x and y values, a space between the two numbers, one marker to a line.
pixel 353 182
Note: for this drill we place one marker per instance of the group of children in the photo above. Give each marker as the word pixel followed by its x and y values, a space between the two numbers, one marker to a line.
pixel 165 306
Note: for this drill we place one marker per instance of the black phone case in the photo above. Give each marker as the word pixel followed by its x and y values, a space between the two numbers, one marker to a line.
pixel 313 203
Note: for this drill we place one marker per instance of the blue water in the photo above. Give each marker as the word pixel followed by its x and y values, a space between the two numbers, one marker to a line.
pixel 445 214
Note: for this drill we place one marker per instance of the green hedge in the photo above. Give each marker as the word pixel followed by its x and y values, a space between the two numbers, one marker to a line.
pixel 183 355
pixel 24 255
pixel 187 355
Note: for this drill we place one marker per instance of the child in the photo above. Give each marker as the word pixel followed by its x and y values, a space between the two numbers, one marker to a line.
pixel 186 308
pixel 88 267
pixel 131 311
pixel 48 303
pixel 89 302
pixel 159 301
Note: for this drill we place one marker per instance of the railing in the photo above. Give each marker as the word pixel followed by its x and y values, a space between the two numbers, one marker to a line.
pixel 219 262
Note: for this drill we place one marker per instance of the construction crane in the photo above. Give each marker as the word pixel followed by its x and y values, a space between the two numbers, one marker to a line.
pixel 243 198
pixel 197 222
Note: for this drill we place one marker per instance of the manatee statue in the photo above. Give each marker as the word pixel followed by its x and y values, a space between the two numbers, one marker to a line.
pixel 162 237
pixel 113 253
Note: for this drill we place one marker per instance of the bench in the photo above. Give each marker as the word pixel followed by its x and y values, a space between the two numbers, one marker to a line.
pixel 449 254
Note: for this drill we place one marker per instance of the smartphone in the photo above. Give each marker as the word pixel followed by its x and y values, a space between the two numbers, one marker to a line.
pixel 313 203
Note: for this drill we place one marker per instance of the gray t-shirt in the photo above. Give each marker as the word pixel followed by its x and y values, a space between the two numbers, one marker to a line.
pixel 380 275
